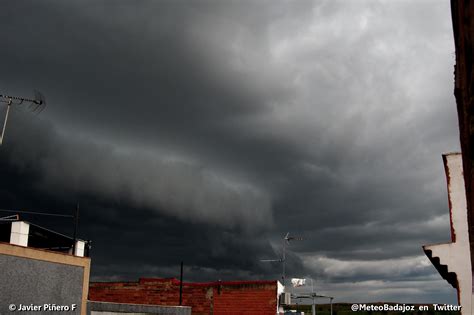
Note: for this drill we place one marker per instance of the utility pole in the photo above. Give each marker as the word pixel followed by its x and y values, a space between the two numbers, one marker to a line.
pixel 76 226
pixel 181 285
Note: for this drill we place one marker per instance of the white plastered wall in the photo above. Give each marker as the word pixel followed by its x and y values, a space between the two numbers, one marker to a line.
pixel 456 255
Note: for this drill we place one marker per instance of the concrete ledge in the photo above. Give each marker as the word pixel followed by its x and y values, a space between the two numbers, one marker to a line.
pixel 119 308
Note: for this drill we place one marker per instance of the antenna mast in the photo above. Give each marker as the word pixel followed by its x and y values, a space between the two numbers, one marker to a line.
pixel 286 241
pixel 36 105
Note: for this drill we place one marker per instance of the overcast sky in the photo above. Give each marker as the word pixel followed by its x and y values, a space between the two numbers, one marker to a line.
pixel 203 131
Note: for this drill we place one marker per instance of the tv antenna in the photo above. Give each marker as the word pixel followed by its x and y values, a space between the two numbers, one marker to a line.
pixel 286 241
pixel 36 105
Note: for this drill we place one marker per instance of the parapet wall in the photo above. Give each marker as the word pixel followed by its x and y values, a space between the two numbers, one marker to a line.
pixel 237 297
pixel 105 308
pixel 42 278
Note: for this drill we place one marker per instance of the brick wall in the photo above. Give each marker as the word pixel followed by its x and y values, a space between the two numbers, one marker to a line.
pixel 246 299
pixel 226 298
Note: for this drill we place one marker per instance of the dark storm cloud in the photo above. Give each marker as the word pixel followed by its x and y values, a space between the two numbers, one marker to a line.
pixel 150 238
pixel 179 188
pixel 237 121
